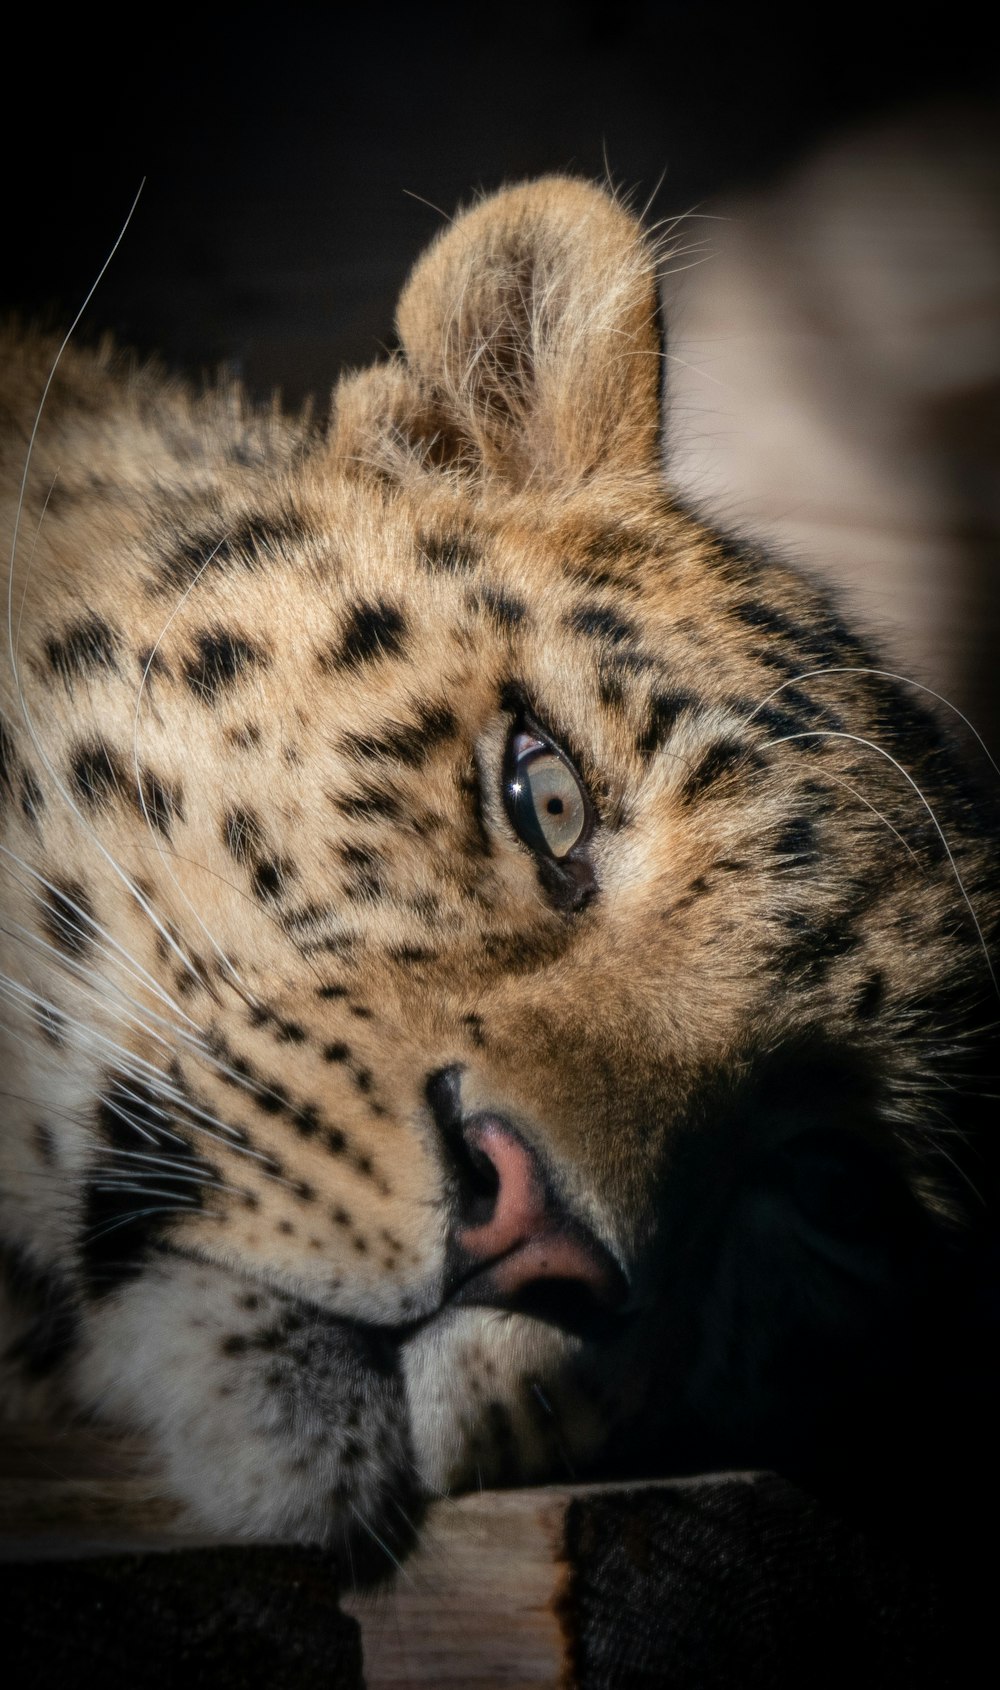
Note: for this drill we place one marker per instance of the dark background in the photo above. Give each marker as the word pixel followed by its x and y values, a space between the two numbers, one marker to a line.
pixel 294 158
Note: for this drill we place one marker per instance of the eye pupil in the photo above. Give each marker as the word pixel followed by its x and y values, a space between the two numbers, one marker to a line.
pixel 555 806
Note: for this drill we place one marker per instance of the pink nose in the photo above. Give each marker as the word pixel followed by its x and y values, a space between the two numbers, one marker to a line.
pixel 527 1237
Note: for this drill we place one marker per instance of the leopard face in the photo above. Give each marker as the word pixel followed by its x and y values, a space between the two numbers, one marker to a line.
pixel 459 911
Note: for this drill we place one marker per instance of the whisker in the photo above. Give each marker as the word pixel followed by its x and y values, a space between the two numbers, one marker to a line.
pixel 885 675
pixel 93 1234
pixel 869 745
pixel 158 843
pixel 12 644
pixel 907 847
pixel 387 1552
pixel 132 966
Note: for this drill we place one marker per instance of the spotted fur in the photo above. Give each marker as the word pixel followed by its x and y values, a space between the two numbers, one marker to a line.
pixel 265 907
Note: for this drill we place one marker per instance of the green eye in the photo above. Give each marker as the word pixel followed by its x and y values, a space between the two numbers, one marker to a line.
pixel 545 799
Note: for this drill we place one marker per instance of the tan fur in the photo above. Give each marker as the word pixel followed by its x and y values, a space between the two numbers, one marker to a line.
pixel 275 929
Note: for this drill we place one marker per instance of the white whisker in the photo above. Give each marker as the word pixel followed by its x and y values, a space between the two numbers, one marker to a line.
pixel 869 745
pixel 885 675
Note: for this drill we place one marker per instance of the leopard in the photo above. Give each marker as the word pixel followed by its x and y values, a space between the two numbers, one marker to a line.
pixel 496 967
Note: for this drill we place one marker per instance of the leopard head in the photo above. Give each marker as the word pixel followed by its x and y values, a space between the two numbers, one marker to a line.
pixel 536 948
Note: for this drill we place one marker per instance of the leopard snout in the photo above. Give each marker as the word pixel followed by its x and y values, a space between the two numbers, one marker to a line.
pixel 515 1242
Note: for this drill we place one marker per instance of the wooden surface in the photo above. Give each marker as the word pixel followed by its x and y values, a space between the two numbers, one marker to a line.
pixel 722 1580
pixel 481 1603
pixel 477 1605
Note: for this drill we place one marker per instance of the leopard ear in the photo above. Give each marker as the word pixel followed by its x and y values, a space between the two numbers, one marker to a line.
pixel 531 332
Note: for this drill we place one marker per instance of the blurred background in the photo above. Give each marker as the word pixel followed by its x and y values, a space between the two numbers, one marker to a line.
pixel 833 299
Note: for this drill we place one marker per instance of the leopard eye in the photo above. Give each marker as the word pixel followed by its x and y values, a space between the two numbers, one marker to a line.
pixel 545 800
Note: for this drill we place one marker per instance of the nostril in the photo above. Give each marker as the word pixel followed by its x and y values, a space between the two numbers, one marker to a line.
pixel 475 1176
pixel 518 1247
pixel 504 1203
pixel 514 1243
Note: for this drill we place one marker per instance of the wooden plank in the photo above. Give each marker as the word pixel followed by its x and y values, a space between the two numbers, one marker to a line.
pixel 482 1602
pixel 76 1492
pixel 479 1605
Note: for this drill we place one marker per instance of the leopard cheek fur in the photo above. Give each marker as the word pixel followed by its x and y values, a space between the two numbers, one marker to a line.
pixel 364 1143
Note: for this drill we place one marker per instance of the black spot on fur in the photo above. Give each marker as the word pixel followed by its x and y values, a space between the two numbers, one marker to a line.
pixel 160 801
pixel 306 1120
pixel 449 553
pixel 368 803
pixel 331 992
pixel 664 709
pixel 796 842
pixel 503 608
pixel 366 880
pixel 304 916
pixel 32 797
pixel 825 642
pixel 128 1113
pixel 778 724
pixel 271 876
pixel 243 835
pixel 86 647
pixel 97 774
pixel 869 997
pixel 9 764
pixel 611 687
pixel 220 658
pixel 244 738
pixel 67 917
pixel 769 620
pixel 336 1052
pixel 409 743
pixel 120 1225
pixel 471 789
pixel 723 758
pixel 774 658
pixel 815 945
pixel 257 540
pixel 244 838
pixel 598 622
pixel 613 556
pixel 374 629
pixel 272 1098
pixel 152 662
pixel 696 890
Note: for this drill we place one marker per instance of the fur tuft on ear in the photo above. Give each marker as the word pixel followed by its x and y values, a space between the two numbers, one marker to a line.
pixel 530 329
